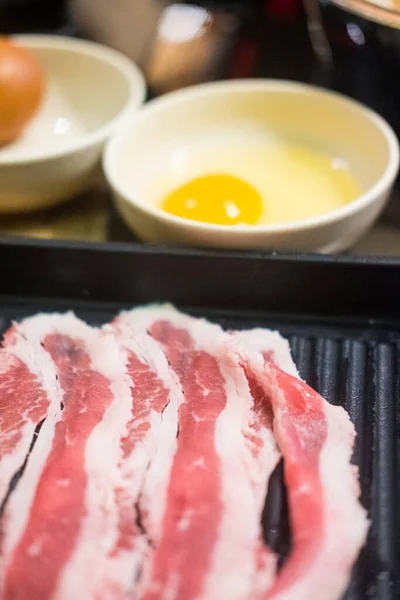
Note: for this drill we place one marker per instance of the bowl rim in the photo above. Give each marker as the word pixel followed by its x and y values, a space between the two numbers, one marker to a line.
pixel 383 184
pixel 127 68
pixel 371 11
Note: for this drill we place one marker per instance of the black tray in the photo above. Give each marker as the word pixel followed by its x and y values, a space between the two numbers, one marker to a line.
pixel 342 317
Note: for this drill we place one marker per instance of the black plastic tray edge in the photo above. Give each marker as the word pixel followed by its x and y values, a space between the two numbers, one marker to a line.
pixel 142 248
pixel 302 284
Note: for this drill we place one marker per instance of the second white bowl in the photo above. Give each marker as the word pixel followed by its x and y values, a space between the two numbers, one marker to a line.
pixel 91 90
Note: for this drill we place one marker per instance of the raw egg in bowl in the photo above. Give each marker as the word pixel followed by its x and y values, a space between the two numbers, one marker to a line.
pixel 253 164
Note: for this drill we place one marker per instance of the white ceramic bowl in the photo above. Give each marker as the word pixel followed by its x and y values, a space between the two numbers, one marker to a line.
pixel 91 90
pixel 151 152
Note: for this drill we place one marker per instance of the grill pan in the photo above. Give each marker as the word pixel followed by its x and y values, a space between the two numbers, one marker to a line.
pixel 341 315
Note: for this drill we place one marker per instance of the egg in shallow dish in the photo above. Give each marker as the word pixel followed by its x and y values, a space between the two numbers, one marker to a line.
pixel 247 179
pixel 287 165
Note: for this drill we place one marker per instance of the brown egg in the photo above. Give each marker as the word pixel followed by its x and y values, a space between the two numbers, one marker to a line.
pixel 22 84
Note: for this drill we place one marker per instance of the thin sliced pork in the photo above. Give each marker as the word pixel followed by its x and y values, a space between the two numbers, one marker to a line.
pixel 28 387
pixel 149 442
pixel 149 473
pixel 316 440
pixel 61 522
pixel 271 344
pixel 210 536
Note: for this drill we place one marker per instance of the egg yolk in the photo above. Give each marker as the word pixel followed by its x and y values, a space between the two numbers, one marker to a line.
pixel 217 199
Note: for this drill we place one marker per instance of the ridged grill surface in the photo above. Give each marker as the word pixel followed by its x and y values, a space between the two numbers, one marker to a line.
pixel 357 369
pixel 362 376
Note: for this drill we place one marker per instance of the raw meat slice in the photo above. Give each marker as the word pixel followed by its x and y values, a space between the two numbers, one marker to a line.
pixel 271 344
pixel 62 520
pixel 209 546
pixel 316 440
pixel 149 442
pixel 28 387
